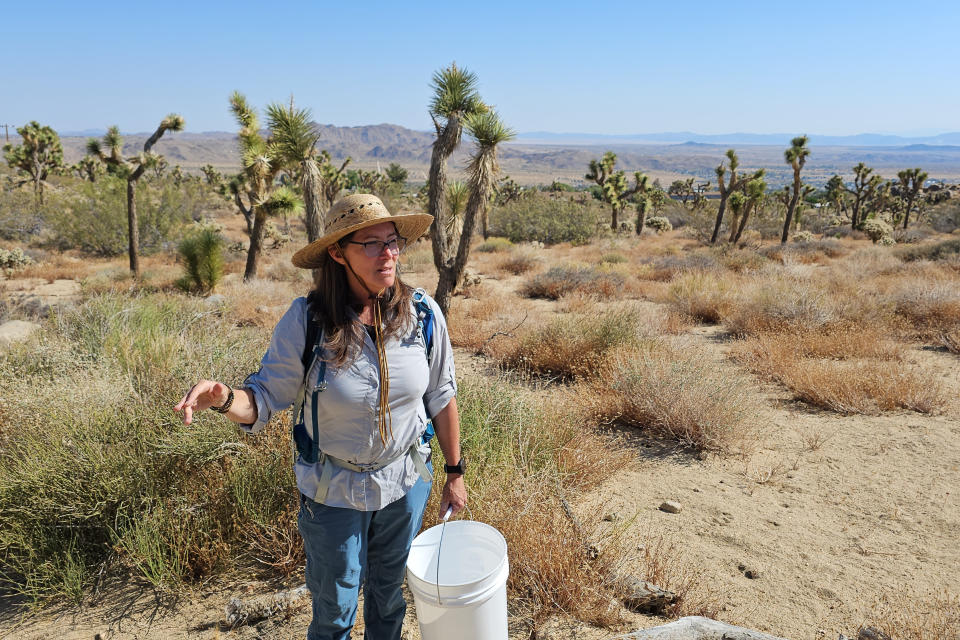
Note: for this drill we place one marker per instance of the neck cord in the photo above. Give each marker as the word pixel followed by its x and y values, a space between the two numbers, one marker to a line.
pixel 384 416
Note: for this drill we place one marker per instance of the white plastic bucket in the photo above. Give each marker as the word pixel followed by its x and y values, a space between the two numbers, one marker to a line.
pixel 468 599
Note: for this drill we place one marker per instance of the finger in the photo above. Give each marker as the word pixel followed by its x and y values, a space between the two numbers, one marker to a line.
pixel 187 415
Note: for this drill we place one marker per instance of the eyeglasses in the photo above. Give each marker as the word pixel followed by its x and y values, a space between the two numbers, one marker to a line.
pixel 373 248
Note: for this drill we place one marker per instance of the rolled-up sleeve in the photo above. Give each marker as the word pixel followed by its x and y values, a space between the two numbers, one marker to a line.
pixel 276 383
pixel 442 386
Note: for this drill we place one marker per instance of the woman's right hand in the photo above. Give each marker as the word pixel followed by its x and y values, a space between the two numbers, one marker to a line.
pixel 203 395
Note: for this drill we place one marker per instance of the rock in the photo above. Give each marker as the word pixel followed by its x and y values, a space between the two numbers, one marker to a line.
pixel 214 300
pixel 16 331
pixel 697 628
pixel 613 516
pixel 869 633
pixel 641 596
pixel 750 572
pixel 670 506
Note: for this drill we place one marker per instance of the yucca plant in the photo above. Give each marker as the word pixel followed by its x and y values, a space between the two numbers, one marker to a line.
pixel 613 186
pixel 911 182
pixel 488 130
pixel 131 169
pixel 39 153
pixel 455 97
pixel 796 157
pixel 756 190
pixel 202 254
pixel 261 159
pixel 457 194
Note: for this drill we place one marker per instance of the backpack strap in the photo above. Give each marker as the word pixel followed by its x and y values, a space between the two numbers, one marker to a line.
pixel 304 444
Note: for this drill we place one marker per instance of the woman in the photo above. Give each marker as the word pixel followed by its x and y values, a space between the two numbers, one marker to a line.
pixel 363 488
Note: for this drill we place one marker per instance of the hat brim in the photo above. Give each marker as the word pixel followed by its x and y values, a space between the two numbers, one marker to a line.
pixel 410 226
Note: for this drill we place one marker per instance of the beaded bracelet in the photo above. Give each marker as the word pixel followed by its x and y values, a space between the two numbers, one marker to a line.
pixel 226 405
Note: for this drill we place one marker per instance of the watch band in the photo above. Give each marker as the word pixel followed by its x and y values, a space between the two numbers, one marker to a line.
pixel 454 468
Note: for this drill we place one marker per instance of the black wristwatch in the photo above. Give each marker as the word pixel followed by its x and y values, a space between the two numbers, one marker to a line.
pixel 455 468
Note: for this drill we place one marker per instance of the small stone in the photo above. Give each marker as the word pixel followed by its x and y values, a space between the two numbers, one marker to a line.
pixel 752 574
pixel 214 300
pixel 669 506
pixel 696 490
pixel 613 516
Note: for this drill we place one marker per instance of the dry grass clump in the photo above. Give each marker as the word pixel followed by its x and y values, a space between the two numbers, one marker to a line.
pixel 666 267
pixel 933 251
pixel 704 296
pixel 853 384
pixel 675 394
pixel 487 319
pixel 908 615
pixel 520 261
pixel 566 279
pixel 816 252
pixel 527 457
pixel 932 308
pixel 417 258
pixel 782 304
pixel 259 303
pixel 573 346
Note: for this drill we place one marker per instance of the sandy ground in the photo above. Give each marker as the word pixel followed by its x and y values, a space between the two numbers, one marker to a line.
pixel 827 514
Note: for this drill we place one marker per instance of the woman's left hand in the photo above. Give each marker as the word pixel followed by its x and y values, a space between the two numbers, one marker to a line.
pixel 454 495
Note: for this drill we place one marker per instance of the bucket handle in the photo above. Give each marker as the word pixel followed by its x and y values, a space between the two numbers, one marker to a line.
pixel 443 527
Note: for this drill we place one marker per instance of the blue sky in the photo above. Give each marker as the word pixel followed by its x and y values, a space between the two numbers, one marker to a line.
pixel 622 67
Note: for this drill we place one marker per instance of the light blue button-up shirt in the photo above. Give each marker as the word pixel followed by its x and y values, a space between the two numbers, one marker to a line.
pixel 347 409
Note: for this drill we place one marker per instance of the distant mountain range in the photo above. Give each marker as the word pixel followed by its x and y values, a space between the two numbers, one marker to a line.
pixel 687 137
pixel 543 157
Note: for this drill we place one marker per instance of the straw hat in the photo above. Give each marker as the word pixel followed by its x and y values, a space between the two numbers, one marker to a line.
pixel 356 212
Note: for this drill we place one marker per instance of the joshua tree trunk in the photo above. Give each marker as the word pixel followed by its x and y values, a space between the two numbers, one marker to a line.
pixel 452 273
pixel 794 199
pixel 312 188
pixel 256 245
pixel 615 219
pixel 447 140
pixel 743 223
pixel 247 213
pixel 720 212
pixel 642 208
pixel 133 228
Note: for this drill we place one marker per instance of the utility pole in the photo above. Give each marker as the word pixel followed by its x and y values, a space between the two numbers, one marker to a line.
pixel 6 131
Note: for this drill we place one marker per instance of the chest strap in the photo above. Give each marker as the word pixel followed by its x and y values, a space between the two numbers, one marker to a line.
pixel 328 462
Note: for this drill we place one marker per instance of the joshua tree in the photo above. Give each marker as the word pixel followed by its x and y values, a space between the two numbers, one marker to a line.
pixel 214 178
pixel 262 160
pixel 863 192
pixel 396 174
pixel 755 191
pixel 614 187
pixel 911 182
pixel 726 190
pixel 39 152
pixel 295 138
pixel 643 208
pixel 835 193
pixel 334 178
pixel 796 157
pixel 684 190
pixel 88 168
pixel 489 131
pixel 455 98
pixel 131 169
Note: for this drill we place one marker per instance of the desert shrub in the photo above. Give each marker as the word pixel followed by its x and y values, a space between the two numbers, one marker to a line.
pixel 703 296
pixel 574 346
pixel 802 237
pixel 20 217
pixel 417 258
pixel 565 279
pixel 945 217
pixel 13 260
pixel 544 219
pixel 202 254
pixel 877 229
pixel 677 395
pixel 906 614
pixel 886 241
pixel 741 260
pixel 494 244
pixel 857 385
pixel 520 261
pixel 780 305
pixel 935 251
pixel 666 267
pixel 95 219
pixel 659 223
pixel 613 258
pixel 931 308
pixel 528 457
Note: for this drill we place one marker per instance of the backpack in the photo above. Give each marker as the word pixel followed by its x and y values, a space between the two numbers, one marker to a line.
pixel 307 446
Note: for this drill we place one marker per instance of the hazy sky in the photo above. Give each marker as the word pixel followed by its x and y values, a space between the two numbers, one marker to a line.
pixel 828 67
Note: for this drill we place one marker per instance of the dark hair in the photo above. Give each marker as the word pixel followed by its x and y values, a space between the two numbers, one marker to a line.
pixel 329 302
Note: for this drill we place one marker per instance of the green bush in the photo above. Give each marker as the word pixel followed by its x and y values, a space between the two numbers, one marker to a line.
pixel 202 254
pixel 565 279
pixel 545 219
pixel 13 260
pixel 660 223
pixel 803 237
pixel 94 219
pixel 495 244
pixel 877 229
